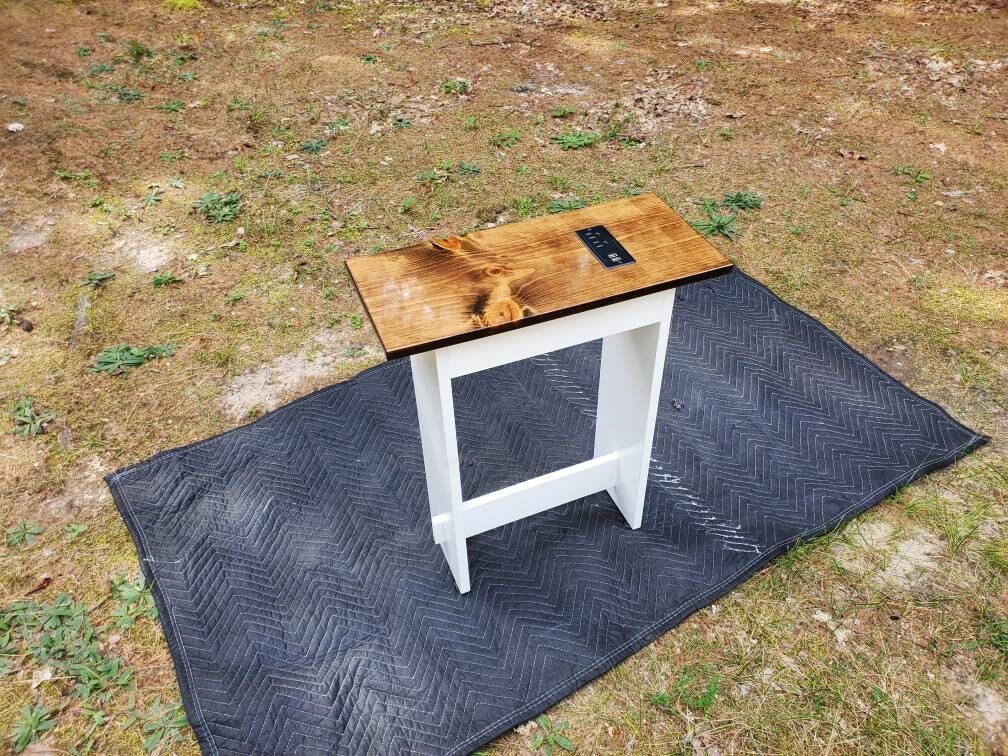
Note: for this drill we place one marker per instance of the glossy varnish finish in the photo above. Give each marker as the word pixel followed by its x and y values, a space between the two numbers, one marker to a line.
pixel 451 290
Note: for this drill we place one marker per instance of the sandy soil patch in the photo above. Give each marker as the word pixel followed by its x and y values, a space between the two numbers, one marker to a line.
pixel 143 249
pixel 31 233
pixel 265 387
pixel 907 562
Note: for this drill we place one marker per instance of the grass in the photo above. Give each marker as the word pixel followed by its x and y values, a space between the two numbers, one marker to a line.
pixel 996 554
pixel 904 279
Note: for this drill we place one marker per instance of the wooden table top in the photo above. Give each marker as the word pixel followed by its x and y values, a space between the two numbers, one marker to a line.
pixel 451 290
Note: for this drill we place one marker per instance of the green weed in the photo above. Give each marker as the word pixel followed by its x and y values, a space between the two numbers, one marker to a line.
pixel 137 51
pixel 716 224
pixel 219 208
pixel 23 534
pixel 919 176
pixel 342 123
pixel 28 420
pixel 562 111
pixel 505 139
pixel 525 207
pixel 432 176
pixel 120 359
pixel 171 156
pixel 162 723
pixel 234 297
pixel 35 720
pixel 575 140
pixel 152 198
pixel 174 106
pixel 455 86
pixel 741 201
pixel 162 280
pixel 125 94
pixel 550 736
pixel 566 203
pixel 81 177
pixel 97 278
pixel 313 146
pixel 75 530
pixel 135 601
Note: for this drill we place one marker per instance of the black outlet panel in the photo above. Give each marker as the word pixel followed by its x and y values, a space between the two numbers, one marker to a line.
pixel 604 246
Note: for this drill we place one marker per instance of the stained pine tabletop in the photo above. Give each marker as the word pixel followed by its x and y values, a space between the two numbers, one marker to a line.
pixel 446 291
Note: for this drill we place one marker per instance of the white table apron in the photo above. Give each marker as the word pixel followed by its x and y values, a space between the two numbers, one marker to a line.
pixel 634 335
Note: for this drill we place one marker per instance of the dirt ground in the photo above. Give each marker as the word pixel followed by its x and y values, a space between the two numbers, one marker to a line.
pixel 222 160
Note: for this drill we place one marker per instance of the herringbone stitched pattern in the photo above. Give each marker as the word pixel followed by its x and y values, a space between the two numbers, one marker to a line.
pixel 307 609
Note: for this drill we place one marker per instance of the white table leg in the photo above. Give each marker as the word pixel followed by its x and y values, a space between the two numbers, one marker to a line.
pixel 634 335
pixel 436 413
pixel 630 379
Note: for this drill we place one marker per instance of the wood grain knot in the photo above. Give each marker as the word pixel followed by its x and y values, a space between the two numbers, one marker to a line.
pixel 501 311
pixel 449 243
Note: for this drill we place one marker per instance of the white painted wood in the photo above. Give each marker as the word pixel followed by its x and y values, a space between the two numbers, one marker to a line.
pixel 522 343
pixel 532 496
pixel 634 336
pixel 436 414
pixel 630 381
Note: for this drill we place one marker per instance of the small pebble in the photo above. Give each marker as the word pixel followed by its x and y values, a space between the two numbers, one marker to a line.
pixel 15 127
